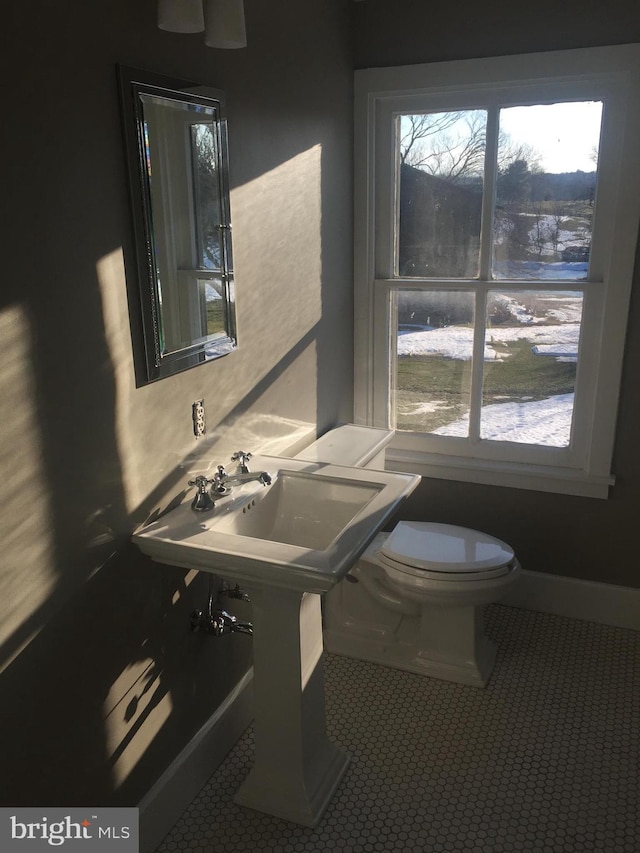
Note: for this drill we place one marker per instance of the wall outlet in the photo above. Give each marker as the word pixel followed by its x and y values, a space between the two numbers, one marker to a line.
pixel 199 422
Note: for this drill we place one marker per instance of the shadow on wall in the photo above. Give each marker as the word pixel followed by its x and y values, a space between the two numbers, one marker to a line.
pixel 100 664
pixel 63 503
pixel 103 683
pixel 101 676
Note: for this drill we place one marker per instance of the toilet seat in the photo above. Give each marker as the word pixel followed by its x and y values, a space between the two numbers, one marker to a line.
pixel 444 552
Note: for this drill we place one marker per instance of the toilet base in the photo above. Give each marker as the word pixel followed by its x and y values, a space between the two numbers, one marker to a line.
pixel 473 673
pixel 441 642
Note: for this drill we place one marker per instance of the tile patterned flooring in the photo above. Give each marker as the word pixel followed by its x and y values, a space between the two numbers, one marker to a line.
pixel 546 758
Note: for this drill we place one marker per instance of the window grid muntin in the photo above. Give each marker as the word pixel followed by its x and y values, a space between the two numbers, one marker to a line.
pixel 485 279
pixel 490 174
pixel 481 290
pixel 607 73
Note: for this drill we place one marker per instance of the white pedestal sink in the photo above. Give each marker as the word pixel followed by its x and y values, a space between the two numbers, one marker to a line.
pixel 287 544
pixel 296 767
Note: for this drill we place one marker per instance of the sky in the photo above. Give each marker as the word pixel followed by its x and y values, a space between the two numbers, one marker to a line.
pixel 564 135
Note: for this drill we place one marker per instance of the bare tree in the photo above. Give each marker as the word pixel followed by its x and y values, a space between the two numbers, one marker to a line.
pixel 556 221
pixel 415 129
pixel 447 145
pixel 452 145
pixel 539 233
pixel 510 151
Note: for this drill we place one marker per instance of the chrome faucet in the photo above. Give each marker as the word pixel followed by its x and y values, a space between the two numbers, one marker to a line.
pixel 212 488
pixel 226 481
pixel 203 502
pixel 242 457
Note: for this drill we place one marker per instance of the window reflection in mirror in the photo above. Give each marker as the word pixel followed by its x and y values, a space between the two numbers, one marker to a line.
pixel 177 146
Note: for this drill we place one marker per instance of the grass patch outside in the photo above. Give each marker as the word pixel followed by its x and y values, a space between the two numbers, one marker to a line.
pixel 433 391
pixel 216 317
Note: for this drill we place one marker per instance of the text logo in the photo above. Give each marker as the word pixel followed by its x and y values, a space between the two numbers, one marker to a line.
pixel 104 830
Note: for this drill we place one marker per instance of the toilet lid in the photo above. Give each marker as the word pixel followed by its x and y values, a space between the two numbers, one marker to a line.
pixel 445 548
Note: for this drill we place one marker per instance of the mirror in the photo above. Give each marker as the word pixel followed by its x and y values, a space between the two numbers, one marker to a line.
pixel 177 154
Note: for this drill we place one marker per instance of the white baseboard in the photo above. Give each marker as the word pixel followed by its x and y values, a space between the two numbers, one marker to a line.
pixel 605 603
pixel 185 776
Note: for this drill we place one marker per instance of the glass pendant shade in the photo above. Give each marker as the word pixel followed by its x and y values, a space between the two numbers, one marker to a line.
pixel 224 24
pixel 181 16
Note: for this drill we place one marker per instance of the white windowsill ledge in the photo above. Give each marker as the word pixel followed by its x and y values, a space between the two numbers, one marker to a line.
pixel 565 481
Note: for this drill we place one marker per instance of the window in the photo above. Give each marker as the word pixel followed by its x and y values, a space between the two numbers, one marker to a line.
pixel 497 208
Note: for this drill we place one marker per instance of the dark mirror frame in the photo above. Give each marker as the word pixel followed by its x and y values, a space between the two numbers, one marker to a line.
pixel 156 361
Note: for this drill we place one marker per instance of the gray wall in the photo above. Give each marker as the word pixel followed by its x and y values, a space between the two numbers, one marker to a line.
pixel 578 537
pixel 103 684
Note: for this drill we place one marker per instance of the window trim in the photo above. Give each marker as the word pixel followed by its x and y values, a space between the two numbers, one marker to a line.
pixel 609 73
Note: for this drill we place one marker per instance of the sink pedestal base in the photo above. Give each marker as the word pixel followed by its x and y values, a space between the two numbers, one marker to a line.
pixel 297 768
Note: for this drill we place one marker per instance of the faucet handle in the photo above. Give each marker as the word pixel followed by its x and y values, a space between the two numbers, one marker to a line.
pixel 201 482
pixel 242 457
pixel 219 481
pixel 202 501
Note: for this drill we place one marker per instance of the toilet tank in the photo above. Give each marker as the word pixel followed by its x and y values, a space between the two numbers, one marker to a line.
pixel 351 445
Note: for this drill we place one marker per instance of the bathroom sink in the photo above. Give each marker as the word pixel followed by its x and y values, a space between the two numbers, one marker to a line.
pixel 307 510
pixel 286 543
pixel 303 532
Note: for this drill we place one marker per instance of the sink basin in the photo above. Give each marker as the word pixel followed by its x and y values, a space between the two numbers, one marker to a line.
pixel 303 532
pixel 307 510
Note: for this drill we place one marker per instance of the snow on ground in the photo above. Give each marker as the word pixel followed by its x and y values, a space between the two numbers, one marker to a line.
pixel 457 341
pixel 557 307
pixel 544 422
pixel 427 408
pixel 561 352
pixel 547 225
pixel 540 270
pixel 564 310
pixel 450 342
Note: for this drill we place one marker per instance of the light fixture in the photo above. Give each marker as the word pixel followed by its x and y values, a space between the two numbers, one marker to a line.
pixel 221 20
pixel 224 23
pixel 181 16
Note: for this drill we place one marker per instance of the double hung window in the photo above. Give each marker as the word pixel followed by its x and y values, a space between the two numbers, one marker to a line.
pixel 496 223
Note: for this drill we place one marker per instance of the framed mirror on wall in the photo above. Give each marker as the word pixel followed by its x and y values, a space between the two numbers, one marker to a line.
pixel 177 155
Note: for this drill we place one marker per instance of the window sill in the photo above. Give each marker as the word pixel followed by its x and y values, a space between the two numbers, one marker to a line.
pixel 540 478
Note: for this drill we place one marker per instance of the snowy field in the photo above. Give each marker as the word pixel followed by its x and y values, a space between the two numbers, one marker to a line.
pixel 457 341
pixel 553 332
pixel 546 422
pixel 540 270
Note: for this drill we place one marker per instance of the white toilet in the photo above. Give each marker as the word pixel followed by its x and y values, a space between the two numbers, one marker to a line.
pixel 415 599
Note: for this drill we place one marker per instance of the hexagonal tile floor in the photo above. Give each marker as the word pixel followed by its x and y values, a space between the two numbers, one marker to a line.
pixel 546 758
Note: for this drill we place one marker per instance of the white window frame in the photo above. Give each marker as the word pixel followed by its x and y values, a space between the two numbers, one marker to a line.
pixel 610 74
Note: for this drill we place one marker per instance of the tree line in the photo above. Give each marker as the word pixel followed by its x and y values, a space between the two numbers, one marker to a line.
pixel 451 146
